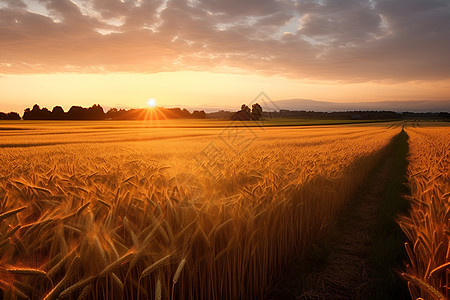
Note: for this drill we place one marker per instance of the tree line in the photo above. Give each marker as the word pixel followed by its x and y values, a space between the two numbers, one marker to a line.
pixel 96 112
pixel 256 112
pixel 359 115
pixel 155 113
pixel 9 116
pixel 340 115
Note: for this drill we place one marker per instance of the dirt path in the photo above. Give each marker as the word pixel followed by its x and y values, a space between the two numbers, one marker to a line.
pixel 343 270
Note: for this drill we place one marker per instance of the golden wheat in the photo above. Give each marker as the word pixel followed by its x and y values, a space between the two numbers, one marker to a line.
pixel 427 224
pixel 161 213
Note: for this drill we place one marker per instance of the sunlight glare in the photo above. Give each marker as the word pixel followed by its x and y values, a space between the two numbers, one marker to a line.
pixel 151 102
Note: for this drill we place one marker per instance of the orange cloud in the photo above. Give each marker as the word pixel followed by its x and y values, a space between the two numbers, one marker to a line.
pixel 343 40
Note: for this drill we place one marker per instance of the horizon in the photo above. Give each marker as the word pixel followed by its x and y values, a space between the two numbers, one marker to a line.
pixel 414 106
pixel 215 54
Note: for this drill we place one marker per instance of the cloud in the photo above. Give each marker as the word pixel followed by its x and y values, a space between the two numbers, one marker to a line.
pixel 345 40
pixel 341 22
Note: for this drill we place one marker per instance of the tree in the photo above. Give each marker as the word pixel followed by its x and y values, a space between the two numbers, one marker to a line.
pixel 112 113
pixel 245 109
pixel 26 114
pixel 243 115
pixel 37 113
pixel 45 114
pixel 36 108
pixel 186 113
pixel 9 116
pixel 257 111
pixel 34 114
pixel 176 113
pixel 77 113
pixel 95 112
pixel 12 116
pixel 198 114
pixel 58 113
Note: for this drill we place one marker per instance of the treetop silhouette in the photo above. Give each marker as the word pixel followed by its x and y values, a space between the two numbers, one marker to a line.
pixel 96 112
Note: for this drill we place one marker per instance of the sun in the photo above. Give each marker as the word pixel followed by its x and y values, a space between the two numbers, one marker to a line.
pixel 151 102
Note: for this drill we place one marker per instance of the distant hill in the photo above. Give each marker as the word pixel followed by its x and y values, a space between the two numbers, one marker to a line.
pixel 397 106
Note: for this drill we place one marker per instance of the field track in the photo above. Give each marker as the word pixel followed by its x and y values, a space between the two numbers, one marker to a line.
pixel 346 272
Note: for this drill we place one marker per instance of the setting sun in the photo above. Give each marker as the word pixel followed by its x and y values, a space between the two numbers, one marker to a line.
pixel 151 102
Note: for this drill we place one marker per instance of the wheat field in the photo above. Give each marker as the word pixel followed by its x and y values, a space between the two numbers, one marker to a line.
pixel 130 210
pixel 427 225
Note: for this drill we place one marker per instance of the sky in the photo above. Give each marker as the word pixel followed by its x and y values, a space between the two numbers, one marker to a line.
pixel 221 53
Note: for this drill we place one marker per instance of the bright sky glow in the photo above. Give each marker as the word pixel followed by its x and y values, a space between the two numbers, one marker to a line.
pixel 151 102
